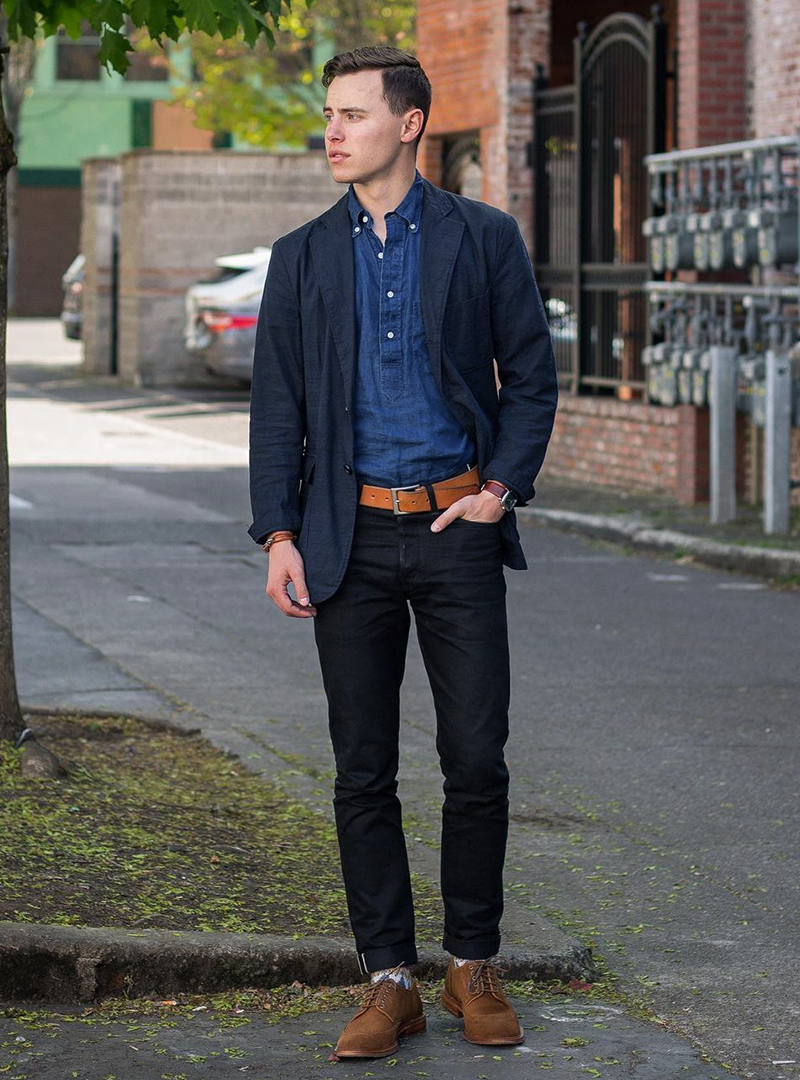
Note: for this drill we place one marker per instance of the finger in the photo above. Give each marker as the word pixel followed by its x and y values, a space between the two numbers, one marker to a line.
pixel 444 519
pixel 279 594
pixel 301 590
pixel 289 606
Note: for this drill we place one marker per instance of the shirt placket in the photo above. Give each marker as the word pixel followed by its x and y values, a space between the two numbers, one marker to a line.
pixel 390 338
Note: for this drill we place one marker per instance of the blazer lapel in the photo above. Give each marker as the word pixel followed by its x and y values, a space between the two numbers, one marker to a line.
pixel 332 252
pixel 440 238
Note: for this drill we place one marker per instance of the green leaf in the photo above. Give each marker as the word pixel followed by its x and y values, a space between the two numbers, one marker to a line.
pixel 113 51
pixel 200 15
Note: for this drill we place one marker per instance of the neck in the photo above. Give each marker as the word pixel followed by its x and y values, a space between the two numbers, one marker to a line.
pixel 382 194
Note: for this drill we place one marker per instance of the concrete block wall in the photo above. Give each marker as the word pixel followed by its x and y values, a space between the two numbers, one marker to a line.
pixel 178 211
pixel 99 219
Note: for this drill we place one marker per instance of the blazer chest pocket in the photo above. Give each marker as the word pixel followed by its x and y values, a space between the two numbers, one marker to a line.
pixel 467 328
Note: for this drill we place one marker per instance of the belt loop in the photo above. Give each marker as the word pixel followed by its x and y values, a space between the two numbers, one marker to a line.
pixel 431 495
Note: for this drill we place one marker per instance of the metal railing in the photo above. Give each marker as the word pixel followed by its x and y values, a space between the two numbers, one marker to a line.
pixel 730 209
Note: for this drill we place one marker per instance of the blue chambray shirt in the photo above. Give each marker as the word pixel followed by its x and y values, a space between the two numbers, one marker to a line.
pixel 404 431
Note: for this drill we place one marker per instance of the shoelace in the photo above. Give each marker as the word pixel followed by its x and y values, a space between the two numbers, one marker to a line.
pixel 484 978
pixel 372 995
pixel 375 992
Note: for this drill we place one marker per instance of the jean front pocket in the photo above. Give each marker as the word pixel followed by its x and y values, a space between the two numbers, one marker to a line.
pixel 469 521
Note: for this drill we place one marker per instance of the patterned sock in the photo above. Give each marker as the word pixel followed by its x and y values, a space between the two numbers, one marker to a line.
pixel 401 974
pixel 458 961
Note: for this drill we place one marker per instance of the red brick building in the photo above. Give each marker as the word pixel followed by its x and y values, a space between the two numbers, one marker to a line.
pixel 693 73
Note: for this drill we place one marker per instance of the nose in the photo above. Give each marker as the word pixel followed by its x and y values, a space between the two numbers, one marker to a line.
pixel 332 133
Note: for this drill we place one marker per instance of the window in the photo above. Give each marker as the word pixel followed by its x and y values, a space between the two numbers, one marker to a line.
pixel 149 63
pixel 78 60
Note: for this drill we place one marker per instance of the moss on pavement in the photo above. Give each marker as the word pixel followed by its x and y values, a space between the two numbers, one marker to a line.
pixel 155 828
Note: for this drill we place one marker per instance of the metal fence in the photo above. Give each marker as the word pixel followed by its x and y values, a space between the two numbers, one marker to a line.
pixel 730 210
pixel 591 197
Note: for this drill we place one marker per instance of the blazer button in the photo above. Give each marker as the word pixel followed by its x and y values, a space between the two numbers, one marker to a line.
pixel 348 468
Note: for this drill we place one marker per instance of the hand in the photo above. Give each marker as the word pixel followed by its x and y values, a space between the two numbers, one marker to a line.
pixel 481 507
pixel 285 566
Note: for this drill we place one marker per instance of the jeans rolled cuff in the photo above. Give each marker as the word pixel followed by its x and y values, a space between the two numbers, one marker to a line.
pixel 387 956
pixel 479 949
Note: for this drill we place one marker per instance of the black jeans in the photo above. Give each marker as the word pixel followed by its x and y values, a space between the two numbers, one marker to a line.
pixel 455 585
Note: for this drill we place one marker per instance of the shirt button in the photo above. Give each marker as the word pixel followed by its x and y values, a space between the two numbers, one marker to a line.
pixel 390 334
pixel 380 254
pixel 390 293
pixel 412 225
pixel 347 468
pixel 358 228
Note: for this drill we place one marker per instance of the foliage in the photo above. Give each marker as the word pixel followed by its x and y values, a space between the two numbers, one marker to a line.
pixel 273 96
pixel 162 19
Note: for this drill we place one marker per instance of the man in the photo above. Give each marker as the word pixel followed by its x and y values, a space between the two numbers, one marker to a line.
pixel 384 468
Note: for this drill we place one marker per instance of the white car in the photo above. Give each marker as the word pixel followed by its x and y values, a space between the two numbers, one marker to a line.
pixel 221 314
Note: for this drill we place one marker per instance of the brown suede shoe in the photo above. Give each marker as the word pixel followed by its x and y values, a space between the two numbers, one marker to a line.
pixel 387 1011
pixel 473 991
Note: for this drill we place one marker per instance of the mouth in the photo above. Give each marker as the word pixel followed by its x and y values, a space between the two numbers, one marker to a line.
pixel 337 157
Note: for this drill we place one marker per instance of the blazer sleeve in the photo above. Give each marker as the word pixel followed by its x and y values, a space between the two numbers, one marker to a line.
pixel 526 368
pixel 277 406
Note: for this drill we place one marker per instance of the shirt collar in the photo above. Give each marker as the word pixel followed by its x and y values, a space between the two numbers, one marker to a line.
pixel 409 209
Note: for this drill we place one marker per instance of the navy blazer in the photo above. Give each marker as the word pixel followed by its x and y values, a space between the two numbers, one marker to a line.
pixel 480 302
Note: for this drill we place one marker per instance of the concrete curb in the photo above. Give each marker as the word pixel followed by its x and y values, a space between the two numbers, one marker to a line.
pixel 70 964
pixel 767 563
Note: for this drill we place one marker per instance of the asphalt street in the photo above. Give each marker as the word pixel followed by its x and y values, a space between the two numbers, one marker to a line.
pixel 655 739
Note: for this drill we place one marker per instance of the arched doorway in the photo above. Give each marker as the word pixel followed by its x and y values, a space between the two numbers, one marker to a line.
pixel 591 197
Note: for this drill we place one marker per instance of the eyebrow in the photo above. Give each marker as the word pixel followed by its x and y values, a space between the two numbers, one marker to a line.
pixel 346 108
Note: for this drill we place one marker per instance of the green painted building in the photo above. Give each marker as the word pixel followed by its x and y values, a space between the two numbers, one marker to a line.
pixel 75 110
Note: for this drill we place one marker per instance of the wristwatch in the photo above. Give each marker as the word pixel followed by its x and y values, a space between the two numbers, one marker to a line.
pixel 508 500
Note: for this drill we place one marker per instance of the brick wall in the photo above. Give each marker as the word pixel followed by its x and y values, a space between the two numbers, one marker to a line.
pixel 752 462
pixel 712 95
pixel 463 49
pixel 615 444
pixel 773 66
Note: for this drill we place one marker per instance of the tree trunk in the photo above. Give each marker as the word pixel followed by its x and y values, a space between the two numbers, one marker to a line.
pixel 11 723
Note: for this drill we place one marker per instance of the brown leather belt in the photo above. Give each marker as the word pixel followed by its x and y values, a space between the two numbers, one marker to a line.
pixel 417 497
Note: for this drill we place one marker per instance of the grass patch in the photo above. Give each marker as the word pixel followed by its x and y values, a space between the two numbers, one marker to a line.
pixel 154 828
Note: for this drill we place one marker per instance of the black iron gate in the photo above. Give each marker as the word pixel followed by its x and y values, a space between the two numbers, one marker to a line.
pixel 591 195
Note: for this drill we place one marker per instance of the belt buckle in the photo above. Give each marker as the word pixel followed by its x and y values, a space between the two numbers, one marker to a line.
pixel 395 505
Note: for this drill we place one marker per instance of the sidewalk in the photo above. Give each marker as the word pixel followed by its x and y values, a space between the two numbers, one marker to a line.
pixel 653 742
pixel 654 523
pixel 290 1035
pixel 216 660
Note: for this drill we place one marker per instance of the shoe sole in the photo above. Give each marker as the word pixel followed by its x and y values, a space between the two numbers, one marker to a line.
pixel 454 1008
pixel 411 1028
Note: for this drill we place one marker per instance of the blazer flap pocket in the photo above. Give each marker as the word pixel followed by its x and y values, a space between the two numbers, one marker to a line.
pixel 308 468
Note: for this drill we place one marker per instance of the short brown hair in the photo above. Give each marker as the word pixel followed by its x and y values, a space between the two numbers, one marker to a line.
pixel 405 84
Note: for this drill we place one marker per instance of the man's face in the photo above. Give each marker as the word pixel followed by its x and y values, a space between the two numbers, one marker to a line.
pixel 361 129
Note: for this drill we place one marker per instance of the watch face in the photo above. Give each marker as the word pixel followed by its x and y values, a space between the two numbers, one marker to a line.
pixel 509 501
